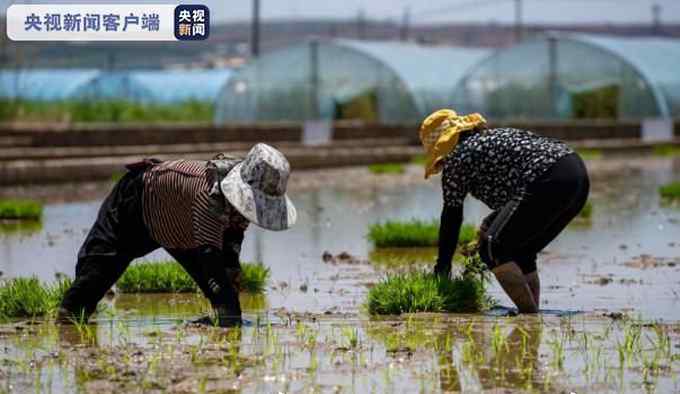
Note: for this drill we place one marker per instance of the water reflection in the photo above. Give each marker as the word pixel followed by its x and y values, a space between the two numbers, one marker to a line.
pixel 628 220
pixel 473 355
pixel 20 227
pixel 395 259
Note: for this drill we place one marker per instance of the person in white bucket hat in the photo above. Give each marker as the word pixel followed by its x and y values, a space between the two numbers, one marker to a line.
pixel 256 187
pixel 197 211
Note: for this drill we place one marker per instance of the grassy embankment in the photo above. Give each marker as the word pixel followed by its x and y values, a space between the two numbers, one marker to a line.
pixel 386 168
pixel 667 150
pixel 77 111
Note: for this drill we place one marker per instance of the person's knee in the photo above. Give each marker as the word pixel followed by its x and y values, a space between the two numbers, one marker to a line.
pixel 528 269
pixel 492 254
pixel 527 264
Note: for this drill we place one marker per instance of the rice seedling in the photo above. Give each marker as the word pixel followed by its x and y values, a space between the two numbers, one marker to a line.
pixel 351 335
pixel 670 191
pixel 386 168
pixel 28 297
pixel 254 277
pixel 161 277
pixel 170 277
pixel 87 333
pixel 307 336
pixel 20 210
pixel 557 346
pixel 498 341
pixel 662 344
pixel 413 233
pixel 631 344
pixel 422 292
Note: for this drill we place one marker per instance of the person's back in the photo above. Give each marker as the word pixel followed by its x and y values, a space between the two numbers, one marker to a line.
pixel 180 211
pixel 496 164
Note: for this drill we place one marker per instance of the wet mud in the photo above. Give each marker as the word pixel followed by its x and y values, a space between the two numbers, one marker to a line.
pixel 310 331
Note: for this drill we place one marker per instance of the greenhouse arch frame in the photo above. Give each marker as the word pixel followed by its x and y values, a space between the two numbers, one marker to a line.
pixel 567 76
pixel 385 82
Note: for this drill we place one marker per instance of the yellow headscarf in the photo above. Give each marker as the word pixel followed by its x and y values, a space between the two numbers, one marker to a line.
pixel 439 135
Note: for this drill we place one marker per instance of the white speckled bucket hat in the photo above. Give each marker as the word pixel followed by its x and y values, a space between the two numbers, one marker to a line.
pixel 256 187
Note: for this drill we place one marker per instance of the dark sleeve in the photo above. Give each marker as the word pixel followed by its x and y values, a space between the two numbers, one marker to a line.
pixel 449 229
pixel 231 247
pixel 209 267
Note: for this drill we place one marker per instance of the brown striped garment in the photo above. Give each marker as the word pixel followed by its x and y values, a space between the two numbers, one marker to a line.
pixel 179 211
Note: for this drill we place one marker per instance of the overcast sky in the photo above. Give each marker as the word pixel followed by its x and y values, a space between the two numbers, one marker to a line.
pixel 430 11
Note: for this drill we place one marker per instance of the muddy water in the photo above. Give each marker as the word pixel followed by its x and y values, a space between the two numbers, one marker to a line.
pixel 584 269
pixel 309 333
pixel 427 353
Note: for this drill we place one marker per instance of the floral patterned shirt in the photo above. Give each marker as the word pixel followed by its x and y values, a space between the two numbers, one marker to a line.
pixel 494 165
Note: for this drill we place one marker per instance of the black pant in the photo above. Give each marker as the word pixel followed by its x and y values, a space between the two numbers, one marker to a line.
pixel 119 235
pixel 528 223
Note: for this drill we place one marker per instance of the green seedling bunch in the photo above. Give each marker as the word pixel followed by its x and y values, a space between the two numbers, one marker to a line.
pixel 20 210
pixel 413 233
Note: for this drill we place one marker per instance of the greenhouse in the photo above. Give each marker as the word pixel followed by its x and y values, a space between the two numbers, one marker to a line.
pixel 577 76
pixel 44 84
pixel 384 82
pixel 145 86
pixel 156 86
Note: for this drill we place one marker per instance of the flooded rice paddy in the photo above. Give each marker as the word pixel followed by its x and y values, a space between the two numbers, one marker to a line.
pixel 309 332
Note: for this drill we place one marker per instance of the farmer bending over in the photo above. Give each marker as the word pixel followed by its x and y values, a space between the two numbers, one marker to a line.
pixel 535 186
pixel 197 211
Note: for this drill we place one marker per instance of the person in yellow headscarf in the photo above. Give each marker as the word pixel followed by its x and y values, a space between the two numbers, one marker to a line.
pixel 534 185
